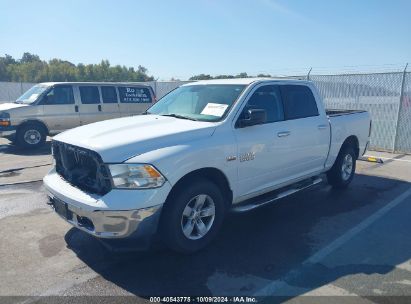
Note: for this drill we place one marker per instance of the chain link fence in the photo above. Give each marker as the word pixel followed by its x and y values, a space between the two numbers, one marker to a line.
pixel 379 94
pixel 403 135
pixel 386 96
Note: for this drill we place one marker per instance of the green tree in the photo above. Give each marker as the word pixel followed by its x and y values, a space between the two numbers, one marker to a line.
pixel 201 77
pixel 27 57
pixel 30 68
pixel 224 77
pixel 242 75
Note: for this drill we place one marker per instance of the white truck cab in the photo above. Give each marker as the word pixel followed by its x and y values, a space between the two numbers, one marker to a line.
pixel 202 150
pixel 52 107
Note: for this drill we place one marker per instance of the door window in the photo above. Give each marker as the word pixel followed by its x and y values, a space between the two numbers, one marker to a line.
pixel 267 98
pixel 299 101
pixel 89 95
pixel 60 95
pixel 109 94
pixel 134 95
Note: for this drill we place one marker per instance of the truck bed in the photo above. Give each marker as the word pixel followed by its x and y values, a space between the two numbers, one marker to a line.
pixel 344 124
pixel 338 112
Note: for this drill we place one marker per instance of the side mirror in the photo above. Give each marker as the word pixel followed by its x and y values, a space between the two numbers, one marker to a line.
pixel 255 117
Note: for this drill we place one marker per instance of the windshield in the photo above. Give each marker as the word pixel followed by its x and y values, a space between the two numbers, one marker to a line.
pixel 31 95
pixel 198 102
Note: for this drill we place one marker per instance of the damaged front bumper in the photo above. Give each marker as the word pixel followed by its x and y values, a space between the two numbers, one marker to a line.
pixel 106 224
pixel 117 215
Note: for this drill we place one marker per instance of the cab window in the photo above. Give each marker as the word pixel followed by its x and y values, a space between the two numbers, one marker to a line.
pixel 59 95
pixel 267 98
pixel 89 95
pixel 299 102
pixel 109 94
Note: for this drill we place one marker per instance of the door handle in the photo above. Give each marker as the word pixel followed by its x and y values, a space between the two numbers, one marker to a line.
pixel 322 127
pixel 99 108
pixel 283 134
pixel 76 108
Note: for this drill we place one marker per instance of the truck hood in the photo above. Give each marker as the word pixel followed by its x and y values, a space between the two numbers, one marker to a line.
pixel 117 140
pixel 9 105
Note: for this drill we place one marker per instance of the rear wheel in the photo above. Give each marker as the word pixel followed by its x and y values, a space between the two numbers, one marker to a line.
pixel 193 216
pixel 343 170
pixel 31 136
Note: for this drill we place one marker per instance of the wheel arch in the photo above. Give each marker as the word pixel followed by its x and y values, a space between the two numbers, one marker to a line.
pixel 35 122
pixel 212 174
pixel 352 140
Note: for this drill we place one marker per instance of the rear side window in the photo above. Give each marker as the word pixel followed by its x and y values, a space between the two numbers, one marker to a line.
pixel 299 102
pixel 135 95
pixel 109 94
pixel 89 95
pixel 60 95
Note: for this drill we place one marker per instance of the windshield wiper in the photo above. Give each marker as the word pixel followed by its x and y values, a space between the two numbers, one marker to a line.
pixel 179 116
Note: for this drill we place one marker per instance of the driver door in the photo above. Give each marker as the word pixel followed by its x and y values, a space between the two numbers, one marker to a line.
pixel 59 109
pixel 263 150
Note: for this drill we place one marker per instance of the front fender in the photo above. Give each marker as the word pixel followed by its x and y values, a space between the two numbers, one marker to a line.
pixel 177 161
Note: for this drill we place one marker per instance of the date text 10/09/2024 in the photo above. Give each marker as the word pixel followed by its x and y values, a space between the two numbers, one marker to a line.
pixel 239 299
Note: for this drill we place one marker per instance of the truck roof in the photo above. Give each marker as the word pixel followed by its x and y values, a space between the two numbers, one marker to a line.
pixel 96 83
pixel 246 81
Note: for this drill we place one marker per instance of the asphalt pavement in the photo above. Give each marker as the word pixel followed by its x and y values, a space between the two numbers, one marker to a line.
pixel 317 246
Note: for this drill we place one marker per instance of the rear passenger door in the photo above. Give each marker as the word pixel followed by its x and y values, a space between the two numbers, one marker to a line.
pixel 307 131
pixel 110 106
pixel 90 107
pixel 134 100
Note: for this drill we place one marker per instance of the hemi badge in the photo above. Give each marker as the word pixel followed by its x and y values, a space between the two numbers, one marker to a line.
pixel 230 158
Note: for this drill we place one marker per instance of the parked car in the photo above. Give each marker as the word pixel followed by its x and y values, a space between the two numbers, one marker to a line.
pixel 202 150
pixel 49 108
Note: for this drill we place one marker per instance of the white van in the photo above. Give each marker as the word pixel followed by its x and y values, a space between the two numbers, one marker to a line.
pixel 50 108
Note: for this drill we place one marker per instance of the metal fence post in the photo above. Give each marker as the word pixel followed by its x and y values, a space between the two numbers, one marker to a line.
pixel 404 74
pixel 309 72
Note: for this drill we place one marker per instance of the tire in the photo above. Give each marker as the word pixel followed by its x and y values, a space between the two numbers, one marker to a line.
pixel 181 229
pixel 343 170
pixel 31 136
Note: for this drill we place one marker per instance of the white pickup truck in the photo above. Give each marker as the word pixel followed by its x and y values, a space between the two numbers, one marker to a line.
pixel 202 150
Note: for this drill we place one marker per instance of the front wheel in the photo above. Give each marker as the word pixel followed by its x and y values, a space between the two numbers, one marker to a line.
pixel 343 170
pixel 193 216
pixel 31 136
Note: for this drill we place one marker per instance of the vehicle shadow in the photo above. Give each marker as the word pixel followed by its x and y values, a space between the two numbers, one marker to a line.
pixel 9 148
pixel 253 248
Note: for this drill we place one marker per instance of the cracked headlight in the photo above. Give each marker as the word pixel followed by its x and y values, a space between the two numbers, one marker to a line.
pixel 135 176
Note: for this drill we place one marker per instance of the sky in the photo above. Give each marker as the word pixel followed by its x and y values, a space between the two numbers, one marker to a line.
pixel 181 38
